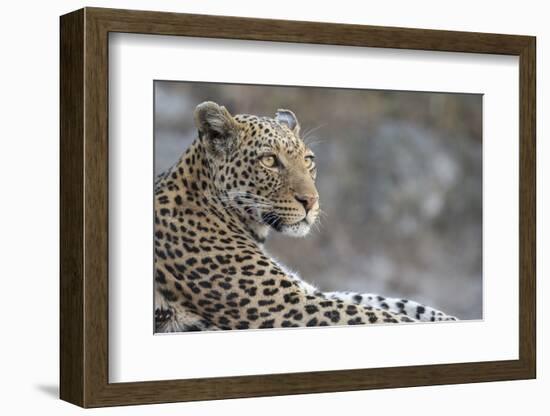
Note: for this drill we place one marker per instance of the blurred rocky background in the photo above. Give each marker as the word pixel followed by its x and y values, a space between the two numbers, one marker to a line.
pixel 399 177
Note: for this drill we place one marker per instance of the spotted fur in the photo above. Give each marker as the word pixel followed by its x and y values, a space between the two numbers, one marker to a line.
pixel 242 177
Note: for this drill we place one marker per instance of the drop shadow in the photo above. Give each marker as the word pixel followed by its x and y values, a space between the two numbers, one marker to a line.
pixel 51 390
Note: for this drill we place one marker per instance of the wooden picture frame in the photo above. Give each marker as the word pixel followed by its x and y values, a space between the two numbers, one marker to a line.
pixel 84 207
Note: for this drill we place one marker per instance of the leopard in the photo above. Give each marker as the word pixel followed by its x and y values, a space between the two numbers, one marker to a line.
pixel 242 178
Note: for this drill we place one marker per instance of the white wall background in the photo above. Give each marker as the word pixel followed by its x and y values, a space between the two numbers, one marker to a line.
pixel 29 208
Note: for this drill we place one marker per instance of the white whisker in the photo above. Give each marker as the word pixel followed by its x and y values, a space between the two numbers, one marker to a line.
pixel 308 133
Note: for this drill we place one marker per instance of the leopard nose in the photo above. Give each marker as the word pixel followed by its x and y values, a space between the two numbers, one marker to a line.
pixel 307 201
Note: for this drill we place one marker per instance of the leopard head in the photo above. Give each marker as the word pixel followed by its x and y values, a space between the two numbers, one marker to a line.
pixel 261 167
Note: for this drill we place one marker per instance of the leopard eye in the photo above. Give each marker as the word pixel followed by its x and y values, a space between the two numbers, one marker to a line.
pixel 270 161
pixel 310 162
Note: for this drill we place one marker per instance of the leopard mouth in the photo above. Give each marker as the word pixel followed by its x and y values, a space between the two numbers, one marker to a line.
pixel 273 220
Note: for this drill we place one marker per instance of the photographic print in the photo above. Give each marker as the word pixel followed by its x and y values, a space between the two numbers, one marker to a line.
pixel 380 187
pixel 304 207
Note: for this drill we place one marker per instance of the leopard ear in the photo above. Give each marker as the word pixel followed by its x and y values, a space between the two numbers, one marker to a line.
pixel 289 118
pixel 217 127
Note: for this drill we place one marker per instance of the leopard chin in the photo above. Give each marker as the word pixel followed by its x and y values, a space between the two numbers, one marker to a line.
pixel 299 229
